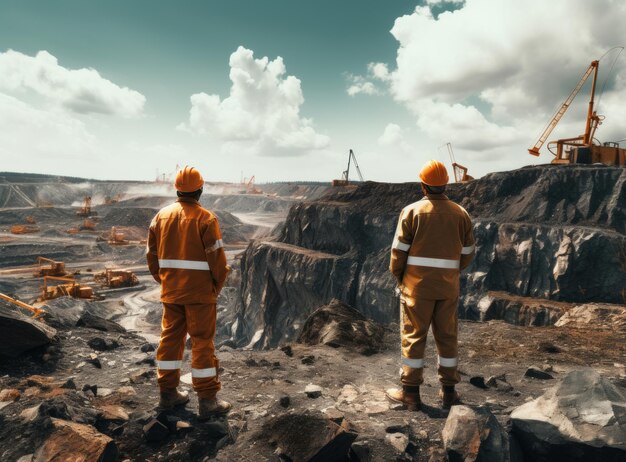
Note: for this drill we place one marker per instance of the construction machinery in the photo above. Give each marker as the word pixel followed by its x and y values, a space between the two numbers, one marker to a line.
pixel 36 312
pixel 345 176
pixel 85 210
pixel 460 171
pixel 116 278
pixel 583 149
pixel 71 288
pixel 24 229
pixel 110 200
pixel 87 225
pixel 116 238
pixel 53 268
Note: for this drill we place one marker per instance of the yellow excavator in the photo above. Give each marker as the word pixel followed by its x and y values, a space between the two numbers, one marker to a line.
pixel 460 171
pixel 583 149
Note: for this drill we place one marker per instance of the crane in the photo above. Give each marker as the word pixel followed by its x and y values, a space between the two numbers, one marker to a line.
pixel 460 171
pixel 345 176
pixel 581 148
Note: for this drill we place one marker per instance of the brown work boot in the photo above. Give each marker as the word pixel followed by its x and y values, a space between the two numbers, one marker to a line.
pixel 210 407
pixel 172 398
pixel 405 395
pixel 449 396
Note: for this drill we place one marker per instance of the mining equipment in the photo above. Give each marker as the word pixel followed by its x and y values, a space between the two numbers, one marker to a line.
pixel 116 278
pixel 85 210
pixel 30 220
pixel 71 288
pixel 24 229
pixel 460 171
pixel 116 238
pixel 54 268
pixel 110 200
pixel 36 312
pixel 583 149
pixel 87 225
pixel 345 176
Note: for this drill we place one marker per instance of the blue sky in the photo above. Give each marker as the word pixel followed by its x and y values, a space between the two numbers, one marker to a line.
pixel 448 71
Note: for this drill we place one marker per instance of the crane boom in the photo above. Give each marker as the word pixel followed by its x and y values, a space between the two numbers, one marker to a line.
pixel 593 67
pixel 356 164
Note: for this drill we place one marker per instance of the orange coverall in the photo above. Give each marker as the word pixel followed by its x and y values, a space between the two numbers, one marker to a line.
pixel 434 240
pixel 185 255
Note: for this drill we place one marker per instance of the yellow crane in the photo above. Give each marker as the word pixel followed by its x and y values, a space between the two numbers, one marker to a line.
pixel 460 171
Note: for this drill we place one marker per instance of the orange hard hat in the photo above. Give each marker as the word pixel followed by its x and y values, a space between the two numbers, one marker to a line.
pixel 188 179
pixel 434 173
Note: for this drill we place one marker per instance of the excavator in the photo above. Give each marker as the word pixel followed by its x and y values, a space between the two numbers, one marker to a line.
pixel 460 171
pixel 582 149
pixel 116 278
pixel 36 312
pixel 54 268
pixel 345 176
pixel 85 210
pixel 70 288
pixel 117 238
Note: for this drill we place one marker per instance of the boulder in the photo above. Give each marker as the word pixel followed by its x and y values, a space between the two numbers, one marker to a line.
pixel 340 325
pixel 473 433
pixel 597 316
pixel 96 322
pixel 582 418
pixel 20 333
pixel 325 440
pixel 75 442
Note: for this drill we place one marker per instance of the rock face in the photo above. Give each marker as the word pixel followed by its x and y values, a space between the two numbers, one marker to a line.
pixel 325 441
pixel 20 333
pixel 340 325
pixel 583 418
pixel 553 233
pixel 600 316
pixel 473 433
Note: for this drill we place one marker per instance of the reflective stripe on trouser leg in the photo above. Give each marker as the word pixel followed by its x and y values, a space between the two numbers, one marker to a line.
pixel 171 347
pixel 445 331
pixel 201 320
pixel 415 317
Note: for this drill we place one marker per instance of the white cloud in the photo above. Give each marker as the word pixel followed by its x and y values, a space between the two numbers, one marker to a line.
pixel 489 75
pixel 393 137
pixel 81 90
pixel 367 88
pixel 262 112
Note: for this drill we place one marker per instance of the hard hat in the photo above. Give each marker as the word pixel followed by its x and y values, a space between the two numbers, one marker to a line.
pixel 188 179
pixel 434 173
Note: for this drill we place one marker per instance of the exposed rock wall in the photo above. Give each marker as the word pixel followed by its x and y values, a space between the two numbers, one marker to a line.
pixel 552 232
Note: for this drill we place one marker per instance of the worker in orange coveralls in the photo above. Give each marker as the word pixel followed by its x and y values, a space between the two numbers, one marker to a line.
pixel 185 255
pixel 434 241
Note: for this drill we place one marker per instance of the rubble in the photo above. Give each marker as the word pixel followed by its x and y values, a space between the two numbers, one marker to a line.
pixel 536 373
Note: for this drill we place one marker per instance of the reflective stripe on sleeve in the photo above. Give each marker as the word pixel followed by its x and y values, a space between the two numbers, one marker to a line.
pixel 218 245
pixel 169 365
pixel 203 373
pixel 400 246
pixel 434 262
pixel 448 362
pixel 467 250
pixel 413 363
pixel 185 264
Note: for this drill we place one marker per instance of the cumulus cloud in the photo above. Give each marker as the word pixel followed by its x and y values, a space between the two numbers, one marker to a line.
pixel 491 74
pixel 262 111
pixel 393 137
pixel 81 90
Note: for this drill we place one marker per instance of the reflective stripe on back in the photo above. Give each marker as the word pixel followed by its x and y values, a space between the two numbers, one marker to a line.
pixel 185 264
pixel 434 262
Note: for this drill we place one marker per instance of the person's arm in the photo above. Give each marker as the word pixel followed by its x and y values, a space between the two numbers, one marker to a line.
pixel 469 244
pixel 151 252
pixel 214 248
pixel 401 244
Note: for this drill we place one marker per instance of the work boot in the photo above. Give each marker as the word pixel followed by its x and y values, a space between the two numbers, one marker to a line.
pixel 172 398
pixel 209 407
pixel 406 395
pixel 449 396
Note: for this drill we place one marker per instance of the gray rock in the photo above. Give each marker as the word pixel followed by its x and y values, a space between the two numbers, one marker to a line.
pixel 398 440
pixel 308 359
pixel 20 333
pixel 155 431
pixel 284 400
pixel 473 433
pixel 536 373
pixel 92 321
pixel 313 391
pixel 478 381
pixel 582 418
